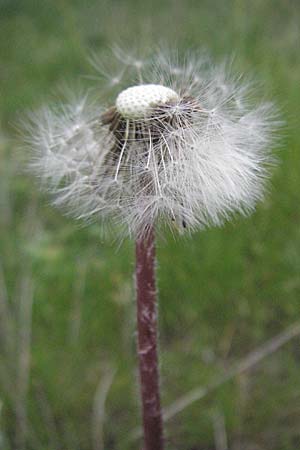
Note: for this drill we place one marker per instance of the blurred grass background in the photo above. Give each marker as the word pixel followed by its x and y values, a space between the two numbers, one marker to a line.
pixel 67 310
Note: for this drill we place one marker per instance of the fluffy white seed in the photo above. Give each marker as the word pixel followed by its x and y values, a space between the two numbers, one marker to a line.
pixel 138 101
pixel 207 158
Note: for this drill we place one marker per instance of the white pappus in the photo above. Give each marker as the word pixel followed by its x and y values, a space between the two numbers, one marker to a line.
pixel 180 144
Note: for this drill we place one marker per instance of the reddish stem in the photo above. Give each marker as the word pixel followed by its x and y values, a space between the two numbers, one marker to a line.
pixel 147 342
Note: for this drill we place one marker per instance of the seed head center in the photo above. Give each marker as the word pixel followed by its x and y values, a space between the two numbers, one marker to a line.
pixel 137 102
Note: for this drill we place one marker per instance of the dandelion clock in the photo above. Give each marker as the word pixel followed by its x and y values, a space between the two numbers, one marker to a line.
pixel 180 145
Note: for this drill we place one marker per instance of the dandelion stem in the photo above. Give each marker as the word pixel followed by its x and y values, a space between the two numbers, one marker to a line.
pixel 147 342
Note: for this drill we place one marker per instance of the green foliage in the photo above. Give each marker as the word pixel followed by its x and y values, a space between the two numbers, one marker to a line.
pixel 222 292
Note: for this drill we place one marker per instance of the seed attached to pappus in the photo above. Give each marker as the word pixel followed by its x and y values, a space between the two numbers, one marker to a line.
pixel 143 114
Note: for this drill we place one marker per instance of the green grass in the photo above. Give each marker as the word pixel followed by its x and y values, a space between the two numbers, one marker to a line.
pixel 222 292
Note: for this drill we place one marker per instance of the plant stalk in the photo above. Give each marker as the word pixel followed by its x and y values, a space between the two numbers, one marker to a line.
pixel 147 342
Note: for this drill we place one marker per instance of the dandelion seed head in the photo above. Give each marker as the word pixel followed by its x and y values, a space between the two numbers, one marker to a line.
pixel 182 144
